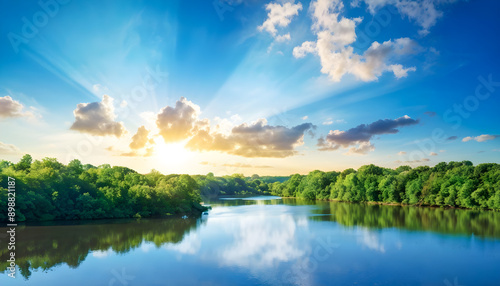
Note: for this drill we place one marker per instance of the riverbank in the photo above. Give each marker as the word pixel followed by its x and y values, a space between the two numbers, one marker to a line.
pixel 447 185
pixel 396 204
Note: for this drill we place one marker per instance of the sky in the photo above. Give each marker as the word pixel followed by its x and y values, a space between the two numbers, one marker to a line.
pixel 251 87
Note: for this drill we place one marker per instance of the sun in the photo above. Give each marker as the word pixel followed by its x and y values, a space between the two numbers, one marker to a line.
pixel 171 154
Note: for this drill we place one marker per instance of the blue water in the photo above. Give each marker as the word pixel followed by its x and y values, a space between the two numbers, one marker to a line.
pixel 267 241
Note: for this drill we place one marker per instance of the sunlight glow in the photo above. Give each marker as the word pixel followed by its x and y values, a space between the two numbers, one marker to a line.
pixel 172 154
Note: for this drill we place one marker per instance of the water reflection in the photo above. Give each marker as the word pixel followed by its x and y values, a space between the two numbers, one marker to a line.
pixel 43 247
pixel 277 241
pixel 261 242
pixel 450 221
pixel 370 239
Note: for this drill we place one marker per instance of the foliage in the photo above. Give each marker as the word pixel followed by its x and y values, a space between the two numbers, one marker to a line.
pixel 49 190
pixel 453 184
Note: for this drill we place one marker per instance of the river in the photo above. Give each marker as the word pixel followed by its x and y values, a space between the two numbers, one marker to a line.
pixel 266 241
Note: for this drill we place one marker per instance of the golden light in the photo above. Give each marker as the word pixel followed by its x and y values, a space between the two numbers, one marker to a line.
pixel 172 154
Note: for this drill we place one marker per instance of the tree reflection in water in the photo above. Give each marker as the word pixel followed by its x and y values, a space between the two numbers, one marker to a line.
pixel 41 247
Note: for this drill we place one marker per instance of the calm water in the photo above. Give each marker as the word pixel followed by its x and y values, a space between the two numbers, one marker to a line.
pixel 267 242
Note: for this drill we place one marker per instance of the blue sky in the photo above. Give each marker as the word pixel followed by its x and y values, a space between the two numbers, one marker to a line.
pixel 319 66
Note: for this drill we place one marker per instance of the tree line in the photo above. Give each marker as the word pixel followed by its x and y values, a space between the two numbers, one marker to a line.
pixel 49 190
pixel 453 184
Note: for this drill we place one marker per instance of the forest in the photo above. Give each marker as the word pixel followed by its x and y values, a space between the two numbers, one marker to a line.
pixel 453 184
pixel 49 190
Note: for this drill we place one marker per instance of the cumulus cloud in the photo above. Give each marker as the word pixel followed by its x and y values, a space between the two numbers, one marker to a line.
pixel 433 154
pixel 335 34
pixel 248 140
pixel 8 149
pixel 283 38
pixel 179 122
pixel 480 138
pixel 307 47
pixel 279 15
pixel 305 117
pixel 97 118
pixel 253 140
pixel 400 153
pixel 363 149
pixel 12 108
pixel 140 139
pixel 423 12
pixel 362 134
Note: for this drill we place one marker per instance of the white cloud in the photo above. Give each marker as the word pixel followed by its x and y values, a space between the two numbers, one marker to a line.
pixel 279 15
pixel 330 121
pixel 480 138
pixel 335 34
pixel 307 47
pixel 8 149
pixel 355 3
pixel 283 38
pixel 179 122
pixel 433 154
pixel 97 118
pixel 12 108
pixel 423 12
pixel 399 71
pixel 140 139
pixel 400 153
pixel 305 117
pixel 362 149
